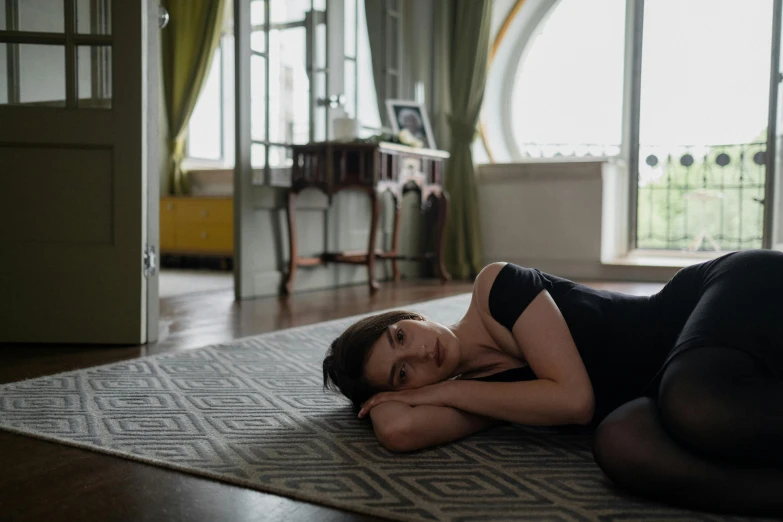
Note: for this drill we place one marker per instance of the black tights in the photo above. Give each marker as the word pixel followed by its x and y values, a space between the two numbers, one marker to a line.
pixel 713 440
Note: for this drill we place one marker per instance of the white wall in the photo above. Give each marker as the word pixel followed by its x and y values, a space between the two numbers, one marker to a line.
pixel 561 217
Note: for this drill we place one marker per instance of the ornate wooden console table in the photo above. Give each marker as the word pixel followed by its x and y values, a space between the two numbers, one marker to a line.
pixel 374 168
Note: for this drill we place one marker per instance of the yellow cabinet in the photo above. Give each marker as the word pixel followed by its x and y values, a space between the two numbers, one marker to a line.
pixel 197 225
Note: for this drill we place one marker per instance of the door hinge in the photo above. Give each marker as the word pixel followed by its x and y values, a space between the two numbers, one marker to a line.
pixel 150 261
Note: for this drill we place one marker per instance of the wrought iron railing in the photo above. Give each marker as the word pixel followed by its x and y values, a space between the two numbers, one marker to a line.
pixel 567 150
pixel 690 197
pixel 708 198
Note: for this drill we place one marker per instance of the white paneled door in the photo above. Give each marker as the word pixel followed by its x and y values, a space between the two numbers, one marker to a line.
pixel 78 190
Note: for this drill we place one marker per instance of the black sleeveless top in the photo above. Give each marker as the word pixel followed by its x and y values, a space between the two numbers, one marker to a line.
pixel 614 333
pixel 626 341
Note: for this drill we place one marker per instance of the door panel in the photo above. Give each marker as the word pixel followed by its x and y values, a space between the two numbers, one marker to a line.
pixel 74 178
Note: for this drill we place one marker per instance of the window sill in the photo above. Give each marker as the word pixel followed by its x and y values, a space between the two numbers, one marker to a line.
pixel 663 258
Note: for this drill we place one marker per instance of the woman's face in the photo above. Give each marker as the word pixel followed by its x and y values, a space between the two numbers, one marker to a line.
pixel 412 354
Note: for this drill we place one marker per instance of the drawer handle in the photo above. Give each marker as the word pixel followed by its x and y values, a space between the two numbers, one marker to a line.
pixel 204 213
pixel 203 235
pixel 170 206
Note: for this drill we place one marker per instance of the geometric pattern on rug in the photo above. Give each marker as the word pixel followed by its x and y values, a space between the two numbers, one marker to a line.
pixel 253 412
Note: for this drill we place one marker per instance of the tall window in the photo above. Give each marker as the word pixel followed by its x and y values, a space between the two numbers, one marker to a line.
pixel 702 124
pixel 698 112
pixel 283 73
pixel 211 126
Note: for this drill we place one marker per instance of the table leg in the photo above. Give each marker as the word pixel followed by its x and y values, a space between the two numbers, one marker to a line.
pixel 396 237
pixel 293 253
pixel 443 212
pixel 375 209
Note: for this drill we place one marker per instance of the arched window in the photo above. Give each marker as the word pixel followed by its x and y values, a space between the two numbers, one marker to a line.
pixel 555 86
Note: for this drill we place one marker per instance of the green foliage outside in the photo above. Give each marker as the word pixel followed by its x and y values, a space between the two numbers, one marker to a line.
pixel 676 202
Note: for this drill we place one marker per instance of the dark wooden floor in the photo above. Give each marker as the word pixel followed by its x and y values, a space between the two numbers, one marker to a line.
pixel 47 481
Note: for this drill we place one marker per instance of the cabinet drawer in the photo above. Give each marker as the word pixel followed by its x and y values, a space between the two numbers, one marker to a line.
pixel 212 211
pixel 168 225
pixel 205 238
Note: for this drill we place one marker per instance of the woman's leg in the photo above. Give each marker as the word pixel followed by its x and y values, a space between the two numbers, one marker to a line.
pixel 712 441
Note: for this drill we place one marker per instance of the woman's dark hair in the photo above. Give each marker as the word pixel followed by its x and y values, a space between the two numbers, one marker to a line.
pixel 347 356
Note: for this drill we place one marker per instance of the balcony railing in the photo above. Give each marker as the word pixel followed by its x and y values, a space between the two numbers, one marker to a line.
pixel 701 198
pixel 690 197
pixel 567 150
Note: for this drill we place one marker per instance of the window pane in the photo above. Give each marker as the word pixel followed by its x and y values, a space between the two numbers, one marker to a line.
pixel 701 169
pixel 280 157
pixel 258 41
pixel 257 12
pixel 320 46
pixel 45 16
pixel 94 66
pixel 289 95
pixel 349 86
pixel 205 127
pixel 705 71
pixel 350 28
pixel 575 107
pixel 227 46
pixel 257 97
pixel 41 77
pixel 288 10
pixel 93 16
pixel 280 162
pixel 257 155
pixel 3 75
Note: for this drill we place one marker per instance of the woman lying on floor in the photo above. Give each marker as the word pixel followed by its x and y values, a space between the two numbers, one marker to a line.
pixel 685 387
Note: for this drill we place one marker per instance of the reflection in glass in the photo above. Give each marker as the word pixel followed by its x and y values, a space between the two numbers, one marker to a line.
pixel 288 10
pixel 289 88
pixel 3 74
pixel 280 156
pixel 94 73
pixel 93 16
pixel 40 79
pixel 38 16
pixel 281 159
pixel 257 97
pixel 257 155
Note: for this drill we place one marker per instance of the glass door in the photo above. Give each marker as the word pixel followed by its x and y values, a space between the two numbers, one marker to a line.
pixel 293 80
pixel 703 121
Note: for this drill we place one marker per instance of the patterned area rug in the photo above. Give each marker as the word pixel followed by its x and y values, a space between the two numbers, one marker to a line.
pixel 253 412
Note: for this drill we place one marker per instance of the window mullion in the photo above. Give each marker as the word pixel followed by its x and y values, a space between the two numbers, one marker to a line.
pixel 267 83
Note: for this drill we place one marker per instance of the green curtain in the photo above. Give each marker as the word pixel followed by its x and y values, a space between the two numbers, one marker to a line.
pixel 375 17
pixel 187 46
pixel 467 25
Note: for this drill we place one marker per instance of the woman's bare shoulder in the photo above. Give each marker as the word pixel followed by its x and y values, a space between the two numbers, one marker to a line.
pixel 483 284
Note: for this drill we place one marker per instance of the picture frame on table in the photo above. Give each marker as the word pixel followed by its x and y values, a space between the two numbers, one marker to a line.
pixel 411 115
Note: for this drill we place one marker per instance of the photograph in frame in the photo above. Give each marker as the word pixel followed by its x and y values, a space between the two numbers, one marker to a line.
pixel 411 115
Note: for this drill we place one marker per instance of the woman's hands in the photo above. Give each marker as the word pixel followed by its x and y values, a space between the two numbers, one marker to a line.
pixel 433 395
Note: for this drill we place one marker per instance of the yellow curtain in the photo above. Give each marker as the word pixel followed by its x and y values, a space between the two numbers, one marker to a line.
pixel 187 46
pixel 467 27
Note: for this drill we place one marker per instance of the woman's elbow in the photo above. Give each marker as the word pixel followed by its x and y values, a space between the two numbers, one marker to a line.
pixel 395 436
pixel 584 412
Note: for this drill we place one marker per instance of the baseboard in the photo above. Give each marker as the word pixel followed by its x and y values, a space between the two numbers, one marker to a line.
pixel 589 270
